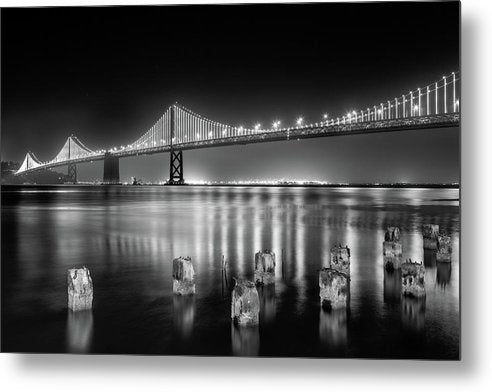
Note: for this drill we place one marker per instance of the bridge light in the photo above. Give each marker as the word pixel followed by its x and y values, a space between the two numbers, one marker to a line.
pixel 257 126
pixel 299 121
pixel 325 116
pixel 276 124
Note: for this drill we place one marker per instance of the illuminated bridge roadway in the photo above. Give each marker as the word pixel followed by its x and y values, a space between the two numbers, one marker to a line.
pixel 434 106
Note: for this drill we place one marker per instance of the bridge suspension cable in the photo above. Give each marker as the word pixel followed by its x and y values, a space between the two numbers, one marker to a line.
pixel 71 150
pixel 432 99
pixel 30 162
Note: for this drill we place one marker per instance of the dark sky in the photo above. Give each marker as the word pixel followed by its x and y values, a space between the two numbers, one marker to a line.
pixel 106 74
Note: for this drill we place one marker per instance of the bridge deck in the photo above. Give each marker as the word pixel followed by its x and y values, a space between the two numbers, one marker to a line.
pixel 296 133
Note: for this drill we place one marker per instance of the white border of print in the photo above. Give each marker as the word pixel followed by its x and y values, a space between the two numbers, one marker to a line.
pixel 472 373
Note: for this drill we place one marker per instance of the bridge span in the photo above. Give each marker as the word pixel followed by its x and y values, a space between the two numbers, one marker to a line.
pixel 437 105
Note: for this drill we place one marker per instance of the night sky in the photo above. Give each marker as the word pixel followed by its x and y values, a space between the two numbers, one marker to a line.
pixel 106 74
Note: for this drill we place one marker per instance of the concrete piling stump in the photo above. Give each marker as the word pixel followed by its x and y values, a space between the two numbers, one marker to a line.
pixel 183 276
pixel 413 279
pixel 334 289
pixel 265 267
pixel 340 259
pixel 443 249
pixel 392 249
pixel 80 289
pixel 245 303
pixel 430 233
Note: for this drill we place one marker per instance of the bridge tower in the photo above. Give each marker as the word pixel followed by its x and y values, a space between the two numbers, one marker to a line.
pixel 111 169
pixel 176 157
pixel 72 167
pixel 72 173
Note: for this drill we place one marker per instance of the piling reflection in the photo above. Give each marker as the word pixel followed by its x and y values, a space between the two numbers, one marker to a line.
pixel 267 303
pixel 80 327
pixel 183 315
pixel 429 258
pixel 333 327
pixel 413 313
pixel 245 340
pixel 392 286
pixel 443 274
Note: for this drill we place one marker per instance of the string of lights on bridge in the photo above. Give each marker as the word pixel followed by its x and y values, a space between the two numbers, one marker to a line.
pixel 439 97
pixel 431 99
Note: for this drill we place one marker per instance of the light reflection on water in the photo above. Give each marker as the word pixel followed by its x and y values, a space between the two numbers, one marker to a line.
pixel 79 331
pixel 128 236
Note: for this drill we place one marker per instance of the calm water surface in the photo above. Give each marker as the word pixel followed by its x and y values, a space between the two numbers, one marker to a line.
pixel 128 236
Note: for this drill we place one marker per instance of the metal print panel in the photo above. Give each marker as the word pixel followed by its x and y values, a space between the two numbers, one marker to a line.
pixel 232 180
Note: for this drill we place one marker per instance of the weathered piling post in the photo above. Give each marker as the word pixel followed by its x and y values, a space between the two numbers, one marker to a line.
pixel 443 248
pixel 413 279
pixel 245 304
pixel 183 276
pixel 265 267
pixel 392 249
pixel 334 289
pixel 430 234
pixel 340 259
pixel 80 289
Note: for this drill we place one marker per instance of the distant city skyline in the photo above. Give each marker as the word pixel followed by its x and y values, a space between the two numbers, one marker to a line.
pixel 111 75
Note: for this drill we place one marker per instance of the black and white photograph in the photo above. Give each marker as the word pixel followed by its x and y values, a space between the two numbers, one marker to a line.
pixel 232 180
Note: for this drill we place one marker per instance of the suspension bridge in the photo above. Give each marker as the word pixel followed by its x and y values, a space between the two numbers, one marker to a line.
pixel 436 105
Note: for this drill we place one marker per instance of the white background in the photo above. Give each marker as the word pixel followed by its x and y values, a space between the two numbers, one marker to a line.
pixel 473 372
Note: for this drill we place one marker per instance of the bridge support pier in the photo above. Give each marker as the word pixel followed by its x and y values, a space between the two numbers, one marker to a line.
pixel 176 168
pixel 72 173
pixel 111 169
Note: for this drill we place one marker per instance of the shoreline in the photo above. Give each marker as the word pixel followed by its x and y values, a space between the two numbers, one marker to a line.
pixel 402 186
